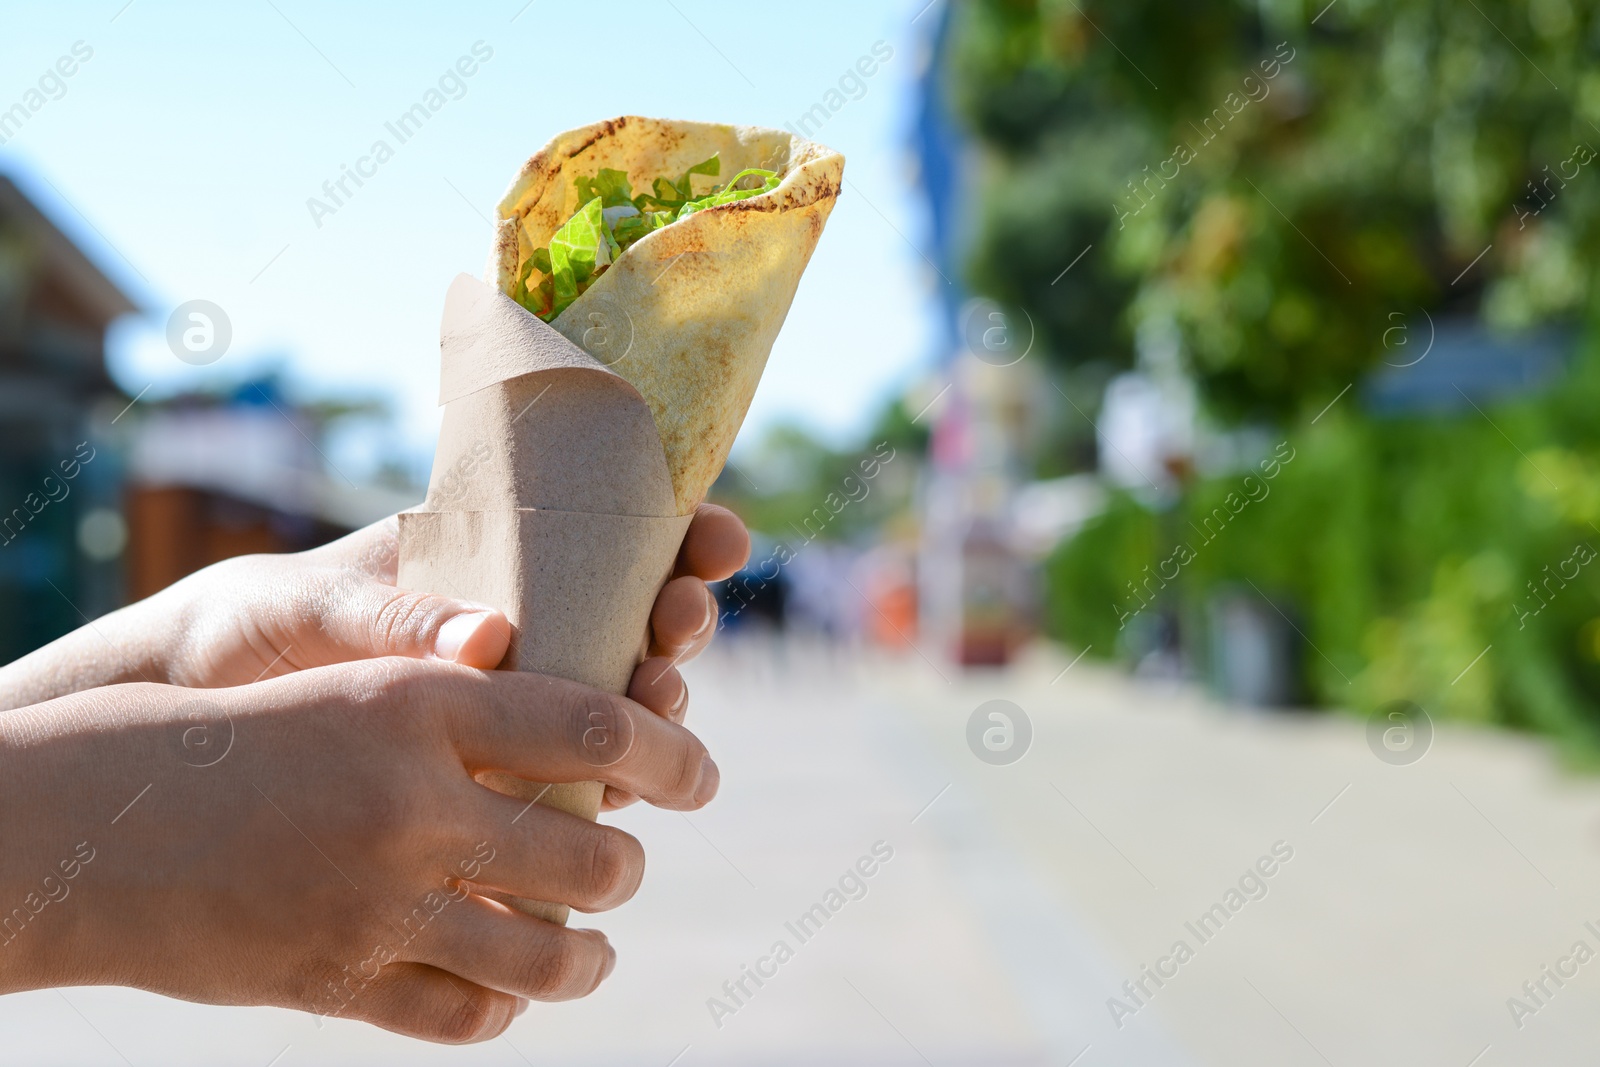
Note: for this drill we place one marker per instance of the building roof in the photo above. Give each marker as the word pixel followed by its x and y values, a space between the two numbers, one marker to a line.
pixel 256 450
pixel 61 256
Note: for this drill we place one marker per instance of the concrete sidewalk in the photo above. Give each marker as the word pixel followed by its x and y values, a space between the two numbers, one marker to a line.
pixel 1413 901
pixel 1417 901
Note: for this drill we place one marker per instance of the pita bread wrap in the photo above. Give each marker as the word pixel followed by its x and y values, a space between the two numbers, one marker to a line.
pixel 572 455
pixel 705 295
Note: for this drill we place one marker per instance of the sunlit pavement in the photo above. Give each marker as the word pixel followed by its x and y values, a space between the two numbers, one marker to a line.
pixel 1018 900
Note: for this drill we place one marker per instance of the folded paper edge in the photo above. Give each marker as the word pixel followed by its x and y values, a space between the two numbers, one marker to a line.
pixel 472 308
pixel 489 343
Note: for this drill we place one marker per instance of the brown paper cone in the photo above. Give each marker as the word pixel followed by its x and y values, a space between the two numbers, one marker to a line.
pixel 550 500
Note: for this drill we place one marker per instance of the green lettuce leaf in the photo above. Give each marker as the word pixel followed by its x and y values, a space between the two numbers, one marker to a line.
pixel 671 195
pixel 728 194
pixel 611 186
pixel 611 221
pixel 575 251
pixel 630 229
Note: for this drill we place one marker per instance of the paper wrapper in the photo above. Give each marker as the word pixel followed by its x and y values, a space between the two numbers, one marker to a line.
pixel 551 501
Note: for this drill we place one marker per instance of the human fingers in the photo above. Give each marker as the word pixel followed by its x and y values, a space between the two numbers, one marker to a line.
pixel 345 607
pixel 547 729
pixel 684 619
pixel 498 948
pixel 539 853
pixel 716 545
pixel 370 620
pixel 425 1002
pixel 658 686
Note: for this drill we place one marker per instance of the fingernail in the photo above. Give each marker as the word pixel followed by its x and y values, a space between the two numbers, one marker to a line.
pixel 710 777
pixel 456 632
pixel 611 962
pixel 675 713
pixel 522 1006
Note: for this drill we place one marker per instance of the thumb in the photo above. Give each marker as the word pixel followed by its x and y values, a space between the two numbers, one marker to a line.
pixel 395 622
pixel 473 637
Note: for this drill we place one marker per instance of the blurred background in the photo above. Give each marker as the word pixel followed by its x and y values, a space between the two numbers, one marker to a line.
pixel 1166 373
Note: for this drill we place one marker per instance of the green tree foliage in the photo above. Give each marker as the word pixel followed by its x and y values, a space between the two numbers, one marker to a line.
pixel 1276 177
pixel 791 484
pixel 1409 546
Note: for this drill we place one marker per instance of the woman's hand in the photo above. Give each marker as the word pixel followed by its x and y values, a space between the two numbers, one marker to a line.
pixel 256 617
pixel 314 841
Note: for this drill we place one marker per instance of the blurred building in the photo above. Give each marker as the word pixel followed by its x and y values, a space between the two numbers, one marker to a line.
pixel 973 585
pixel 217 475
pixel 105 499
pixel 59 483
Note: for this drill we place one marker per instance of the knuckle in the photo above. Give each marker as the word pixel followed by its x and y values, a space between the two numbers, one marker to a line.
pixel 602 728
pixel 551 971
pixel 464 1017
pixel 380 681
pixel 405 618
pixel 375 687
pixel 394 686
pixel 687 775
pixel 400 704
pixel 608 872
pixel 651 679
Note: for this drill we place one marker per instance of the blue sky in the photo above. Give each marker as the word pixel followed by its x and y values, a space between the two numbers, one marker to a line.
pixel 184 150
